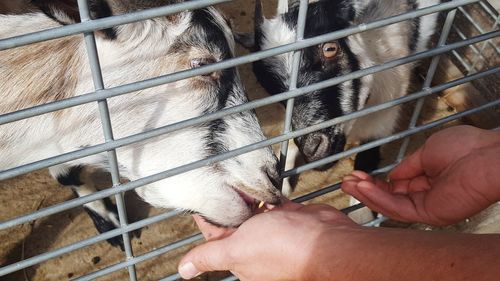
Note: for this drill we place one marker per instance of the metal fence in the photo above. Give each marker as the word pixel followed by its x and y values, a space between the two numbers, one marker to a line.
pixel 474 65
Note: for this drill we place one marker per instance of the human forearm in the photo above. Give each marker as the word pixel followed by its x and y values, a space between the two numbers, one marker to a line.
pixel 395 254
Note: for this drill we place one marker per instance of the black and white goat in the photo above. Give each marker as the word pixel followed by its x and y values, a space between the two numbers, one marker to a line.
pixel 54 70
pixel 339 57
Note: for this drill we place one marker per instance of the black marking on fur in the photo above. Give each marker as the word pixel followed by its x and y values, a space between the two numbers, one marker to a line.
pixel 416 26
pixel 102 225
pixel 68 7
pixel 101 9
pixel 274 175
pixel 354 66
pixel 268 78
pixel 368 160
pixel 214 38
pixel 216 129
pixel 72 176
pixel 98 9
pixel 323 16
pixel 110 206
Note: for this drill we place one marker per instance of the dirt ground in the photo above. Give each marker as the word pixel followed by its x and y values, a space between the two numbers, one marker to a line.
pixel 38 190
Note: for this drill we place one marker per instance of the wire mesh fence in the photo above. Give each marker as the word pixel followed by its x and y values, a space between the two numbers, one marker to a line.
pixel 468 41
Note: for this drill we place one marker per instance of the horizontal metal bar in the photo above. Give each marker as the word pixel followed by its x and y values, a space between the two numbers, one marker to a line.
pixel 462 61
pixel 474 48
pixel 104 23
pixel 150 179
pixel 86 242
pixel 336 186
pixel 137 86
pixel 376 221
pixel 325 191
pixel 173 246
pixel 309 197
pixel 138 259
pixel 388 139
pixel 140 224
pixel 402 100
pixel 172 277
pixel 488 10
pixel 66 157
pixel 352 208
pixel 477 27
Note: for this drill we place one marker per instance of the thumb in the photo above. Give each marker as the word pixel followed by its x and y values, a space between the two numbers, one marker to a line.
pixel 211 256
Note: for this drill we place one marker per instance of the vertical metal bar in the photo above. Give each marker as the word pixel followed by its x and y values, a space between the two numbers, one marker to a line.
pixel 173 277
pixel 477 27
pixel 474 49
pixel 461 60
pixel 487 9
pixel 294 77
pixel 108 131
pixel 475 60
pixel 450 18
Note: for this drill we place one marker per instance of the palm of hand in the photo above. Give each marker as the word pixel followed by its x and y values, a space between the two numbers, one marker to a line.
pixel 436 185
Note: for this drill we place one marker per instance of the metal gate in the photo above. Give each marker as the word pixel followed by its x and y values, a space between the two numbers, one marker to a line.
pixel 475 54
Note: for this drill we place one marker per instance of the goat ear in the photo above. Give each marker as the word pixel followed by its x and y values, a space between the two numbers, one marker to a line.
pixel 66 12
pixel 246 40
pixel 250 40
pixel 63 11
pixel 259 21
pixel 346 11
pixel 286 5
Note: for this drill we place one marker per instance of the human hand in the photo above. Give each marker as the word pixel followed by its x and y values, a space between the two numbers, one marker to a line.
pixel 452 177
pixel 277 245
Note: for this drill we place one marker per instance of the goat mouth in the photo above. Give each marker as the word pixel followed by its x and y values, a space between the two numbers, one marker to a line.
pixel 252 203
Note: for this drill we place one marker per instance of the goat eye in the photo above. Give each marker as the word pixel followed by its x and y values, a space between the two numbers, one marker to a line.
pixel 330 50
pixel 199 62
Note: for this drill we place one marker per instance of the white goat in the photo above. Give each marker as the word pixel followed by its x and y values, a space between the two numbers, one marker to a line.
pixel 54 70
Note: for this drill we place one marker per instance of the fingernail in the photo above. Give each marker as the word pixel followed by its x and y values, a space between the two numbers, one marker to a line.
pixel 364 184
pixel 349 178
pixel 188 271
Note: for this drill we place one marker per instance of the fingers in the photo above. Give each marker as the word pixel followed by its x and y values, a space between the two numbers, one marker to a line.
pixel 418 184
pixel 395 206
pixel 358 176
pixel 362 175
pixel 211 256
pixel 409 168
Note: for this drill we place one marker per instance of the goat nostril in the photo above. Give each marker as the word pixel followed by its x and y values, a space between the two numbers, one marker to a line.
pixel 274 177
pixel 316 146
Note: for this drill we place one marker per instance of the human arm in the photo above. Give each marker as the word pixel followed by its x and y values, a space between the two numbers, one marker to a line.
pixel 455 175
pixel 317 242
